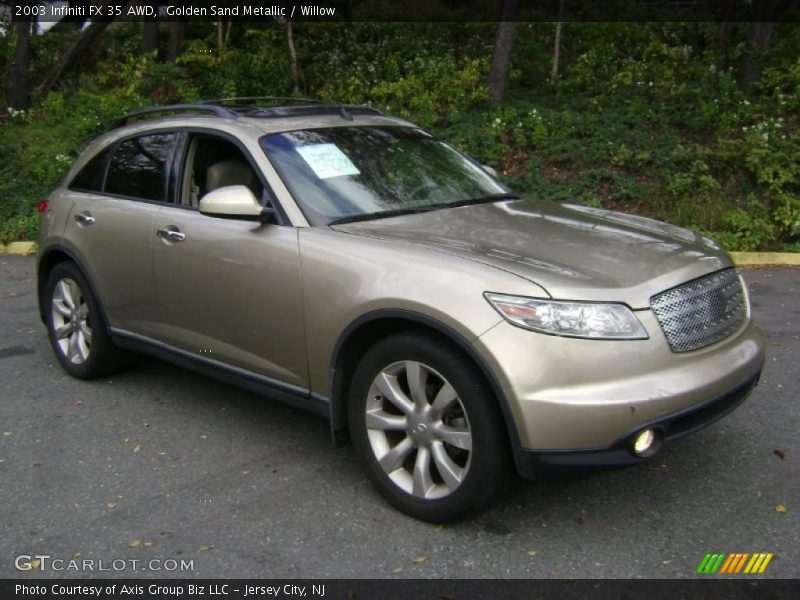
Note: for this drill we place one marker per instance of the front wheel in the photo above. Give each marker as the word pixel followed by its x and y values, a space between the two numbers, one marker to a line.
pixel 428 428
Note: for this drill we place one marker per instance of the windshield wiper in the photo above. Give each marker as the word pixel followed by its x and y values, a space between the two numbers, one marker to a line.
pixel 383 214
pixel 421 209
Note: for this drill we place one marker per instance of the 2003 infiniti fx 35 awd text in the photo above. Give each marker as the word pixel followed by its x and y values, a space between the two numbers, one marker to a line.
pixel 349 263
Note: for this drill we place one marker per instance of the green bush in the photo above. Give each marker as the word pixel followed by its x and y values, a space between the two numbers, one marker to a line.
pixel 643 117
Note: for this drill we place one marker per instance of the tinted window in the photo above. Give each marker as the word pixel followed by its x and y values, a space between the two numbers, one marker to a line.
pixel 90 177
pixel 139 167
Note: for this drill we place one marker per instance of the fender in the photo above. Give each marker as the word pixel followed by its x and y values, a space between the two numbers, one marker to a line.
pixel 338 401
pixel 77 261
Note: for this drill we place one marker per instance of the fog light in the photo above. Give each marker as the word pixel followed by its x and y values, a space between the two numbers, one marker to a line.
pixel 646 443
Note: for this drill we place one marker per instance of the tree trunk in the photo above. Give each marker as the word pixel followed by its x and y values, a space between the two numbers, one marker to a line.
pixel 557 42
pixel 724 34
pixel 293 57
pixel 503 46
pixel 177 35
pixel 18 93
pixel 223 34
pixel 149 36
pixel 759 38
pixel 759 35
pixel 556 52
pixel 70 58
pixel 228 29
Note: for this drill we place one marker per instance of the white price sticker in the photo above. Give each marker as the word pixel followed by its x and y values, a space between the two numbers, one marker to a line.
pixel 327 160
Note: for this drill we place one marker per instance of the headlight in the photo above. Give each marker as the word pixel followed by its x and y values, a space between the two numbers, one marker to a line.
pixel 570 319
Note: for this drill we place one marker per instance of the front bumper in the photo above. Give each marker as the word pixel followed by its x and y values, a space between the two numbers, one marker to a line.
pixel 580 402
pixel 531 464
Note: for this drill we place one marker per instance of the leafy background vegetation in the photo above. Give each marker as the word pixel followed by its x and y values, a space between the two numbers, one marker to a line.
pixel 642 117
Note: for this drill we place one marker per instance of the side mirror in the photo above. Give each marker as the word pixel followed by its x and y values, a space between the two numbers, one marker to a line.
pixel 490 170
pixel 234 202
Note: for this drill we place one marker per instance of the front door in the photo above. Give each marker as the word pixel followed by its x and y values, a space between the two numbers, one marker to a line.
pixel 228 290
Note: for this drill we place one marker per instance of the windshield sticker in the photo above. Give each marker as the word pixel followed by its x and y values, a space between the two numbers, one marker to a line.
pixel 327 160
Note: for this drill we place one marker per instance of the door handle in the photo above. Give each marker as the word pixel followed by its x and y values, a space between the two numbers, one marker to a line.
pixel 84 218
pixel 171 233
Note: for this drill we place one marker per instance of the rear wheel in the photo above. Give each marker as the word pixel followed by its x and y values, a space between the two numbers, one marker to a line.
pixel 77 332
pixel 428 428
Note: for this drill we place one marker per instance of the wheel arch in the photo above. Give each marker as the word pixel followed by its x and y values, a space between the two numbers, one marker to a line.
pixel 48 261
pixel 371 327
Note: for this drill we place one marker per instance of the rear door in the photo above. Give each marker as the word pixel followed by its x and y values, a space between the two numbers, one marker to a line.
pixel 228 290
pixel 116 200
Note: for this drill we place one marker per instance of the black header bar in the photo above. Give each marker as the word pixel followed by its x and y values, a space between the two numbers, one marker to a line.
pixel 407 10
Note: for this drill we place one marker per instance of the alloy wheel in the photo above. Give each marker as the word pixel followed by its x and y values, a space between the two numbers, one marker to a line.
pixel 418 430
pixel 71 324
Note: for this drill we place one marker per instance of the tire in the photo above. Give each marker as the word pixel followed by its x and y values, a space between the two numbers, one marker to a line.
pixel 436 449
pixel 76 328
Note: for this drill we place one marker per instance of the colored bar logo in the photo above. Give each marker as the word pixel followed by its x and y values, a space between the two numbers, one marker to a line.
pixel 735 563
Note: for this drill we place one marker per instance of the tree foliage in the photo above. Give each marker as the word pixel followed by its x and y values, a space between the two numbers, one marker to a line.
pixel 652 118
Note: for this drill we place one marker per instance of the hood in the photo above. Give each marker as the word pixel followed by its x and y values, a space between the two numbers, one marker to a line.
pixel 573 252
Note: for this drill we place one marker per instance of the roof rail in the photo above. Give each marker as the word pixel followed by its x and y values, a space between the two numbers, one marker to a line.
pixel 219 111
pixel 343 110
pixel 239 101
pixel 290 106
pixel 303 106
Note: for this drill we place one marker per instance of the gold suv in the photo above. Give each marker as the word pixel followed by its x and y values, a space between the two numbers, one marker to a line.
pixel 349 263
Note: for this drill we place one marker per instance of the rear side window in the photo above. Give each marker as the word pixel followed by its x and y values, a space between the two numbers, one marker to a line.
pixel 139 167
pixel 90 178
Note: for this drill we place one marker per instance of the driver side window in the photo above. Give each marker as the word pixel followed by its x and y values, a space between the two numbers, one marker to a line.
pixel 212 163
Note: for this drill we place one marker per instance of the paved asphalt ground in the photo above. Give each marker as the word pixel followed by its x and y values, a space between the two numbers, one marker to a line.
pixel 161 463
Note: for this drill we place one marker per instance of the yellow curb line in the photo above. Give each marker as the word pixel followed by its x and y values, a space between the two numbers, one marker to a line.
pixel 19 248
pixel 751 259
pixel 741 259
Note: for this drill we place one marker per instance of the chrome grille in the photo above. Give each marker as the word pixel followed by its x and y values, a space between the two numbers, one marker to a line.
pixel 702 312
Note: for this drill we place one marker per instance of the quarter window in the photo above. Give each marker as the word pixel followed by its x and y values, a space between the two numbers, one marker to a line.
pixel 90 177
pixel 139 167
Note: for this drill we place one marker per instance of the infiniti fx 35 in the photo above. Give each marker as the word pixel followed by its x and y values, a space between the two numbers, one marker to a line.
pixel 351 264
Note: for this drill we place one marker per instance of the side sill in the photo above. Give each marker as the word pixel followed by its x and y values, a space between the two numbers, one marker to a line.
pixel 292 395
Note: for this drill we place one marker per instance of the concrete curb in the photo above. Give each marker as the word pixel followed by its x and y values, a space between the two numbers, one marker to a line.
pixel 753 259
pixel 18 248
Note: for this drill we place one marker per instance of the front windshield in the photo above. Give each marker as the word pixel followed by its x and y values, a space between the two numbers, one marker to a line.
pixel 354 173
